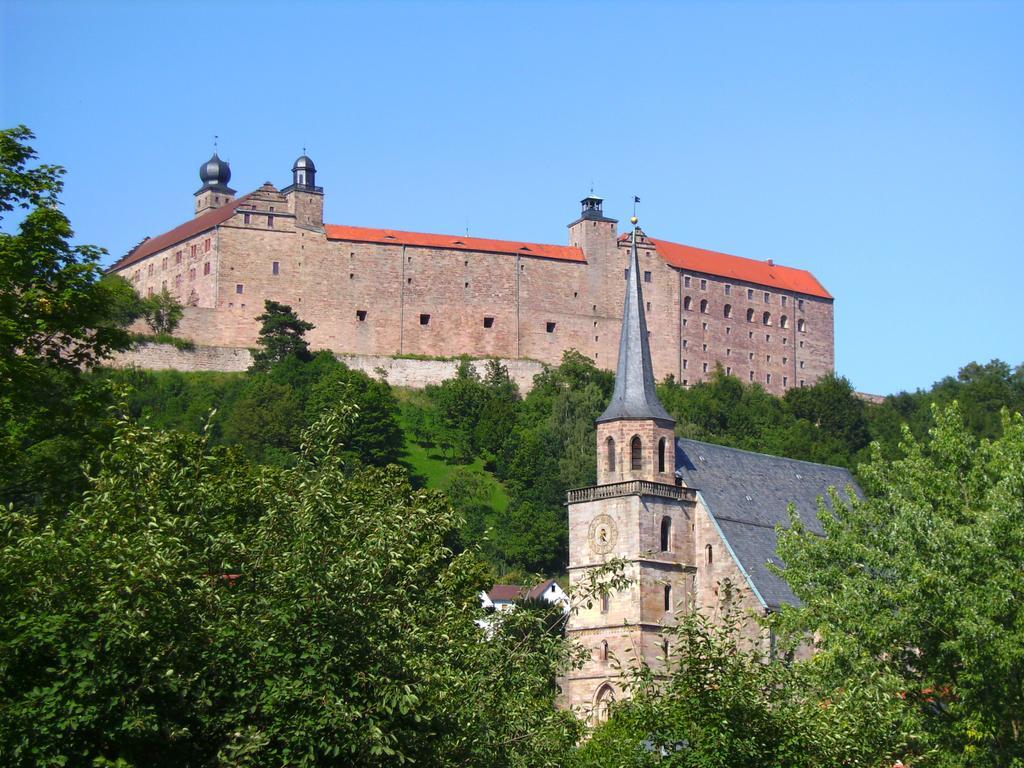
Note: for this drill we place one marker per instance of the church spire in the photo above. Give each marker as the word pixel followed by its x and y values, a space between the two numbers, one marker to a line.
pixel 635 396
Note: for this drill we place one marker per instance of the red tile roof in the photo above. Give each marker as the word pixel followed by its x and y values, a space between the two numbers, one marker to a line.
pixel 738 268
pixel 179 234
pixel 505 592
pixel 425 240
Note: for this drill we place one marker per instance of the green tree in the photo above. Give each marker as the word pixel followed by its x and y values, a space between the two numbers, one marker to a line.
pixel 924 579
pixel 196 611
pixel 58 316
pixel 282 335
pixel 716 702
pixel 162 312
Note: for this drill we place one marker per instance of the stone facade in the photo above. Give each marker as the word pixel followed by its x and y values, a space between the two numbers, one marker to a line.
pixel 378 292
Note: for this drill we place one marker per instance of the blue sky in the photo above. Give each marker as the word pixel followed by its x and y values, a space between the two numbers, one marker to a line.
pixel 877 144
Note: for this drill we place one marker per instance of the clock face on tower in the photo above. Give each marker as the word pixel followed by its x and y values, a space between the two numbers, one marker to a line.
pixel 602 534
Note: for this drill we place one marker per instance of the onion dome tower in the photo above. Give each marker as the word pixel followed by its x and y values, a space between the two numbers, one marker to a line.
pixel 304 172
pixel 215 192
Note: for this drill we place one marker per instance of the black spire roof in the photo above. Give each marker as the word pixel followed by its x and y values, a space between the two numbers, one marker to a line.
pixel 635 396
pixel 215 174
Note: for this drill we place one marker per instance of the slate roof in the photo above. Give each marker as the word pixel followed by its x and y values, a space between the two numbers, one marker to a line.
pixel 748 494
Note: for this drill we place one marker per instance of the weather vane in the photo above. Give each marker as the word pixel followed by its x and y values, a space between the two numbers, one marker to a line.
pixel 634 219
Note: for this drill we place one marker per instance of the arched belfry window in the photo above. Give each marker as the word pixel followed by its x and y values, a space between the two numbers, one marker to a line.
pixel 661 455
pixel 668 597
pixel 666 534
pixel 610 443
pixel 636 453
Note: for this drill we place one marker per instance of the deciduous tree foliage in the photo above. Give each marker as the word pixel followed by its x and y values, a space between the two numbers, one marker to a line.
pixel 925 580
pixel 721 704
pixel 196 611
pixel 58 315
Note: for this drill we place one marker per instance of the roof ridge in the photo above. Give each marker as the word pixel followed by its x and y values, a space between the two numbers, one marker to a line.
pixel 768 455
pixel 446 234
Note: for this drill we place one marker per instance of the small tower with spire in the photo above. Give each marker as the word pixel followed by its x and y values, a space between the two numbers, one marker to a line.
pixel 637 512
pixel 305 198
pixel 215 192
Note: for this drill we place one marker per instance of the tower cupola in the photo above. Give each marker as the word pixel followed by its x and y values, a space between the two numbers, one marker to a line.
pixel 592 208
pixel 215 192
pixel 215 173
pixel 304 172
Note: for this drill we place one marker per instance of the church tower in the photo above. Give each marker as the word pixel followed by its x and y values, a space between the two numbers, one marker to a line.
pixel 636 512
pixel 305 198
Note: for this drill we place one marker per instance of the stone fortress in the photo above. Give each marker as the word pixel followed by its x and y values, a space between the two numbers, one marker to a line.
pixel 393 293
pixel 694 523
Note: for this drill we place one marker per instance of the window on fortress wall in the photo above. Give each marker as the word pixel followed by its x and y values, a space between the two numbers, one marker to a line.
pixel 661 455
pixel 625 274
pixel 705 367
pixel 206 268
pixel 163 263
pixel 647 277
pixel 687 303
pixel 550 326
pixel 767 297
pixel 149 291
pixel 801 325
pixel 636 457
pixel 728 290
pixel 686 281
pixel 767 378
pixel 605 602
pixel 610 449
pixel 163 285
pixel 149 270
pixel 703 306
pixel 488 322
pixel 750 294
pixel 206 245
pixel 193 251
pixel 361 315
pixel 192 274
pixel 668 597
pixel 177 281
pixel 784 322
pixel 751 375
pixel 766 318
pixel 727 310
pixel 783 301
pixel 424 319
pixel 270 220
pixel 709 555
pixel 801 364
pixel 703 285
pixel 750 315
pixel 247 218
pixel 177 257
pixel 728 370
pixel 685 363
pixel 800 304
pixel 275 268
pixel 239 288
pixel 785 381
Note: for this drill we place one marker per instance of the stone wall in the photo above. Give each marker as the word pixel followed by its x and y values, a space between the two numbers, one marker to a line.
pixel 400 372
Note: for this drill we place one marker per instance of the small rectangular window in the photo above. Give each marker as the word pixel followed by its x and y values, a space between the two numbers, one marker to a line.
pixel 750 294
pixel 785 381
pixel 361 315
pixel 239 288
pixel 488 322
pixel 550 327
pixel 686 363
pixel 751 375
pixel 705 346
pixel 247 218
pixel 163 285
pixel 703 285
pixel 270 222
pixel 686 281
pixel 728 290
pixel 163 263
pixel 177 257
pixel 149 291
pixel 275 267
pixel 206 268
pixel 801 364
pixel 647 277
pixel 625 274
pixel 799 303
pixel 705 367
pixel 424 319
pixel 149 269
pixel 783 301
pixel 728 352
pixel 767 378
pixel 704 326
pixel 192 251
pixel 685 343
pixel 686 382
pixel 192 274
pixel 206 245
pixel 801 382
pixel 728 370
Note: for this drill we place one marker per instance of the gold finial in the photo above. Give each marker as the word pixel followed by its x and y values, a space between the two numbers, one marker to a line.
pixel 633 220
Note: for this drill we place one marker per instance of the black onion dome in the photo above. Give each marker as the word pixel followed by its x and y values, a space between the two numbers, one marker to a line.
pixel 215 172
pixel 304 163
